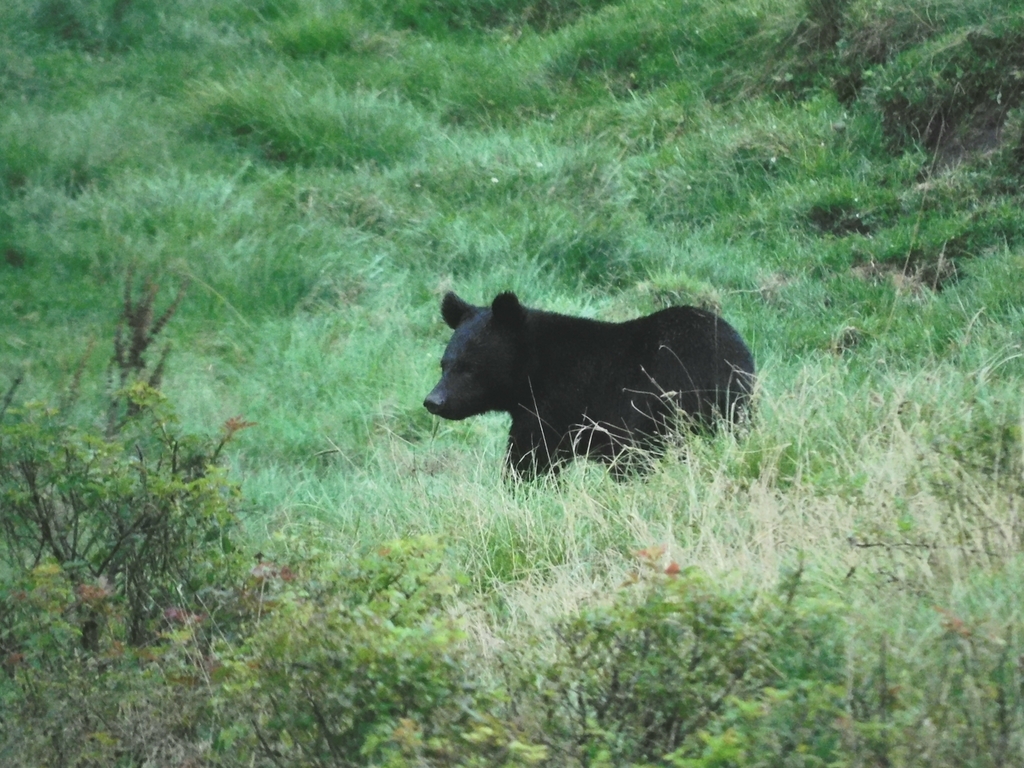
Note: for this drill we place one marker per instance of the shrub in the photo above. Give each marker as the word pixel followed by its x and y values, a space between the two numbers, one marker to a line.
pixel 117 706
pixel 954 93
pixel 362 666
pixel 140 511
pixel 115 543
pixel 144 515
pixel 678 670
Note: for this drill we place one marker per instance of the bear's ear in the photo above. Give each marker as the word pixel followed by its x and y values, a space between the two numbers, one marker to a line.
pixel 507 310
pixel 454 310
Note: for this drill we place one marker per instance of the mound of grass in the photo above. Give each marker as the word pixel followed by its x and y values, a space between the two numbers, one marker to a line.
pixel 310 121
pixel 77 149
pixel 317 34
pixel 437 17
pixel 973 81
pixel 639 46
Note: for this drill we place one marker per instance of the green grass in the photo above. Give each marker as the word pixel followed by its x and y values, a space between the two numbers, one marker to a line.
pixel 321 173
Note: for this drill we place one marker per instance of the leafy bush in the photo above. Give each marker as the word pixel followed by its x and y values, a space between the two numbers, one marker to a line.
pixel 117 706
pixel 140 510
pixel 116 542
pixel 362 666
pixel 677 671
pixel 956 91
pixel 144 516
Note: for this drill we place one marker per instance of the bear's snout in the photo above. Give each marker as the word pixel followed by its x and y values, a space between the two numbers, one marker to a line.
pixel 434 402
pixel 439 403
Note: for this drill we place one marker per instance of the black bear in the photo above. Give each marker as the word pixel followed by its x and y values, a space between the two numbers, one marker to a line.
pixel 578 387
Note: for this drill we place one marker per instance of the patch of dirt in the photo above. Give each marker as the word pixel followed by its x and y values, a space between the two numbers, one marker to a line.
pixel 838 219
pixel 848 338
pixel 916 275
pixel 980 136
pixel 14 258
pixel 772 287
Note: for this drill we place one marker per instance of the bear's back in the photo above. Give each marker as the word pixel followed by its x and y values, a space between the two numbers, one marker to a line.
pixel 703 360
pixel 696 335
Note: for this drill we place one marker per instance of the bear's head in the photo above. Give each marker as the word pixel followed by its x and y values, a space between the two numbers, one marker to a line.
pixel 480 365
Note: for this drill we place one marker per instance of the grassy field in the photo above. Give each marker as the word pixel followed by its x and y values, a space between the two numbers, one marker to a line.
pixel 841 179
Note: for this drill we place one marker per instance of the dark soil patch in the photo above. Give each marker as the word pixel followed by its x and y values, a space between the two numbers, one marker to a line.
pixel 918 272
pixel 838 219
pixel 14 258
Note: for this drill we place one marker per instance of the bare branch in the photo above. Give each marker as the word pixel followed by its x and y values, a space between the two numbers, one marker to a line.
pixel 10 393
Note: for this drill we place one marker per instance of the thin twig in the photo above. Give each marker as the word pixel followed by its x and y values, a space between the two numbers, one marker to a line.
pixel 10 393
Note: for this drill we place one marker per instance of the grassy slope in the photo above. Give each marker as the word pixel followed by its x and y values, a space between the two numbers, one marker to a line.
pixel 322 174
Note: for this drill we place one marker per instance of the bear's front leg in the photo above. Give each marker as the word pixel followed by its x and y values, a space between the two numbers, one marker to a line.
pixel 529 453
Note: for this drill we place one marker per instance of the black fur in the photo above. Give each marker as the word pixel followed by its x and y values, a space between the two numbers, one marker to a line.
pixel 578 387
